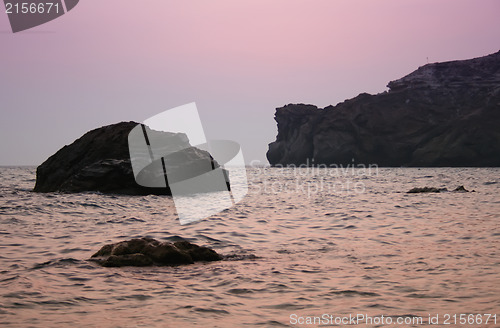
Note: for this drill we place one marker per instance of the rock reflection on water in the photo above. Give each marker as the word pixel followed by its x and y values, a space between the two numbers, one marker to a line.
pixel 374 250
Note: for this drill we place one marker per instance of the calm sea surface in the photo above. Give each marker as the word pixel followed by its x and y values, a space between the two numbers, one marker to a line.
pixel 328 243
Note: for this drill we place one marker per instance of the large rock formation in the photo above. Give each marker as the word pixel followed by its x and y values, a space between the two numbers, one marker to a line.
pixel 149 251
pixel 443 114
pixel 100 161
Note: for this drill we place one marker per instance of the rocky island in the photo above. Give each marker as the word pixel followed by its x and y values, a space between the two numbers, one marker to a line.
pixel 442 114
pixel 100 161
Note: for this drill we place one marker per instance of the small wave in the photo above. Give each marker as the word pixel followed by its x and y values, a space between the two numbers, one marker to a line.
pixel 237 234
pixel 177 238
pixel 140 297
pixel 57 303
pixel 91 205
pixel 286 251
pixel 19 305
pixel 134 220
pixel 122 221
pixel 56 263
pixel 239 257
pixel 71 250
pixel 12 245
pixel 5 312
pixel 240 291
pixel 283 306
pixel 211 239
pixel 415 295
pixel 350 292
pixel 12 221
pixel 217 311
pixel 63 237
pixel 271 323
pixel 72 213
pixel 10 278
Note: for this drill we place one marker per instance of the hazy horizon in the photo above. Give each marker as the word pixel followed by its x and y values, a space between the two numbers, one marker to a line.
pixel 109 62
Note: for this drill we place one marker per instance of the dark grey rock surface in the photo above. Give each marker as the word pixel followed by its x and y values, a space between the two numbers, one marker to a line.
pixel 100 161
pixel 417 190
pixel 442 114
pixel 149 251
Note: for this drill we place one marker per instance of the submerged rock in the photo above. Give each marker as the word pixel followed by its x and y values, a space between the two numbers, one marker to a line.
pixel 100 161
pixel 149 251
pixel 461 189
pixel 433 189
pixel 442 114
pixel 425 189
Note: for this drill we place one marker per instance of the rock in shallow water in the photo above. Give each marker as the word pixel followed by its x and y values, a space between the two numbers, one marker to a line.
pixel 461 189
pixel 100 161
pixel 433 189
pixel 425 189
pixel 149 251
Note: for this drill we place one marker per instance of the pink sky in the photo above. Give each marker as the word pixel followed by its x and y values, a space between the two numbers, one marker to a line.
pixel 113 60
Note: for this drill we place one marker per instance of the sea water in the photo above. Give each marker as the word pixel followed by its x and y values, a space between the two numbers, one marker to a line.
pixel 328 245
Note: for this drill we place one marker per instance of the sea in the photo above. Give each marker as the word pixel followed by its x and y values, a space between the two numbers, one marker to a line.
pixel 314 247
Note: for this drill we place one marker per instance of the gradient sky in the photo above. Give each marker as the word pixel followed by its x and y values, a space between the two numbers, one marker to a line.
pixel 119 60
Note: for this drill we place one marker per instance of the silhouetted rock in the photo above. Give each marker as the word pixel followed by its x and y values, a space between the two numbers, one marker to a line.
pixel 100 161
pixel 426 189
pixel 461 189
pixel 443 114
pixel 433 189
pixel 148 251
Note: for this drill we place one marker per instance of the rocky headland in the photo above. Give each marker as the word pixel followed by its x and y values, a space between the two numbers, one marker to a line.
pixel 442 114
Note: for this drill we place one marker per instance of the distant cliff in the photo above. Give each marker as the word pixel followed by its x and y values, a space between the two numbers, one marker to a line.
pixel 442 114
